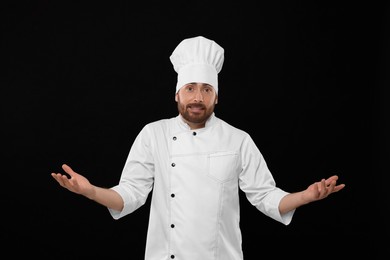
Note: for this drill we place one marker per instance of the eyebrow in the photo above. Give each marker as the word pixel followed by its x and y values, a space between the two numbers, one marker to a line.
pixel 195 83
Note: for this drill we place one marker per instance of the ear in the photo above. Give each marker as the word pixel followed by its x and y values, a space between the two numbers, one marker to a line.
pixel 216 100
pixel 176 97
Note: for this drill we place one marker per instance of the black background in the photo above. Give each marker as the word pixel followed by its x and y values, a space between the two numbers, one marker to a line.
pixel 307 80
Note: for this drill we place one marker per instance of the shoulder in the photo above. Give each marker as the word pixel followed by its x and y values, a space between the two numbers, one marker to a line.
pixel 158 126
pixel 230 127
pixel 160 123
pixel 231 130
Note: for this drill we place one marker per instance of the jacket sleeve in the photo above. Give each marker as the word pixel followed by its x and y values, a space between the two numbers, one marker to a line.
pixel 137 177
pixel 258 184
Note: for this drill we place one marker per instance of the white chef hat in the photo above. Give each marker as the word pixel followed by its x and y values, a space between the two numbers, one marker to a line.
pixel 197 59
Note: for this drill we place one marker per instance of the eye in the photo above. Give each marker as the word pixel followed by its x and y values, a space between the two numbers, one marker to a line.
pixel 189 88
pixel 208 89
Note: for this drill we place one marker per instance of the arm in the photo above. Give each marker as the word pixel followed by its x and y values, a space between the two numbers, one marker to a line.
pixel 80 185
pixel 316 191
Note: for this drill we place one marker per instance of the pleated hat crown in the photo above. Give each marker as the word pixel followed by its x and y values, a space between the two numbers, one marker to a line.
pixel 197 59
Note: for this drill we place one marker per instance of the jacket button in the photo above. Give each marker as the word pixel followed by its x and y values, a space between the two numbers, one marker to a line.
pixel 174 138
pixel 173 164
pixel 172 256
pixel 194 133
pixel 172 225
pixel 172 195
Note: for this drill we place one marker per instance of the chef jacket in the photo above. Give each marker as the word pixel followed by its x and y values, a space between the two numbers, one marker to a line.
pixel 195 176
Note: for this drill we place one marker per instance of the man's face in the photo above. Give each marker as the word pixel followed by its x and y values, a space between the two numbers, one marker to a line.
pixel 196 102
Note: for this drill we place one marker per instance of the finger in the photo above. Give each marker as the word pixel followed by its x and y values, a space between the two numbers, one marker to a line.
pixel 331 179
pixel 68 170
pixel 56 176
pixel 329 188
pixel 338 187
pixel 70 184
pixel 59 178
pixel 322 186
pixel 331 185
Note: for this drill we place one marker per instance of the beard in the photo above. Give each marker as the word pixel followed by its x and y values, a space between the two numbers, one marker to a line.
pixel 199 116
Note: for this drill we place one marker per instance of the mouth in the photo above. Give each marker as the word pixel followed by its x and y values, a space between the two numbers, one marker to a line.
pixel 195 108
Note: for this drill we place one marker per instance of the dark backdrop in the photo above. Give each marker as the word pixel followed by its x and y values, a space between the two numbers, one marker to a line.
pixel 307 80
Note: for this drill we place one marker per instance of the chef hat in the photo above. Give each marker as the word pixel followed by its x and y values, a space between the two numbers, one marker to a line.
pixel 197 59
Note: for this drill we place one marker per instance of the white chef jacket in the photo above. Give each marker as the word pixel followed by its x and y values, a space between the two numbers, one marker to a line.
pixel 195 176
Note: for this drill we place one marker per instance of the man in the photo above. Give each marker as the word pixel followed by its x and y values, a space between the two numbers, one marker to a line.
pixel 195 164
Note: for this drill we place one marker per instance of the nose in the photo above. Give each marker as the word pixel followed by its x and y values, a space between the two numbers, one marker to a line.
pixel 198 96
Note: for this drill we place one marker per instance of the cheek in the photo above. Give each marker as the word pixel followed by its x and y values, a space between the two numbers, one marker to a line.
pixel 182 99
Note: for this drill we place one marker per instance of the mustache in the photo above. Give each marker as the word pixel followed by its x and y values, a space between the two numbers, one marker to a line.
pixel 196 105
